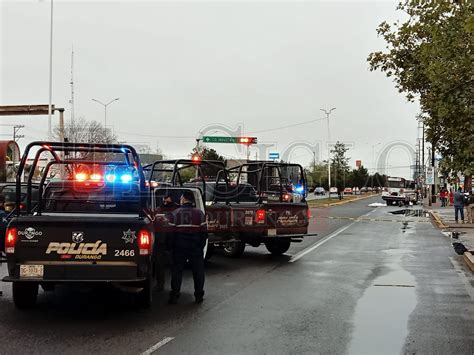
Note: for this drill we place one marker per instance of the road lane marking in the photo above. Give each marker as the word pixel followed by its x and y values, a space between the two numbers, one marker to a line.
pixel 360 219
pixel 158 345
pixel 324 240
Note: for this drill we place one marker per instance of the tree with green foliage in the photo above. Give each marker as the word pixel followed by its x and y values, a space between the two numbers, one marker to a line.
pixel 339 165
pixel 317 175
pixel 207 153
pixel 430 56
pixel 359 177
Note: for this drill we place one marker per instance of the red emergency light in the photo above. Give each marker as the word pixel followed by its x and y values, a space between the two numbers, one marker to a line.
pixel 247 140
pixel 144 242
pixel 10 240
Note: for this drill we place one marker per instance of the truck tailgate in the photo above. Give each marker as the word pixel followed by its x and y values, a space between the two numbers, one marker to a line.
pixel 287 218
pixel 73 247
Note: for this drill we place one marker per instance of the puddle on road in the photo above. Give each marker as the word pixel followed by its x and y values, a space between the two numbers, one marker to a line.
pixel 381 316
pixel 417 212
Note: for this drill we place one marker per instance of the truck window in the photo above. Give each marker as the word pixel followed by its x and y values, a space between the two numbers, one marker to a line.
pixel 58 199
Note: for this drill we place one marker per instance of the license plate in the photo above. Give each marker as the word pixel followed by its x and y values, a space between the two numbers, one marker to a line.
pixel 248 221
pixel 31 270
pixel 272 232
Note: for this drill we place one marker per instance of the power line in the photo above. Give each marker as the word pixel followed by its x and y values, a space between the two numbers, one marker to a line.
pixel 251 132
pixel 284 127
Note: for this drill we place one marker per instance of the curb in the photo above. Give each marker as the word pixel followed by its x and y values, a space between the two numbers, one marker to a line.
pixel 344 202
pixel 437 219
pixel 469 260
pixel 440 223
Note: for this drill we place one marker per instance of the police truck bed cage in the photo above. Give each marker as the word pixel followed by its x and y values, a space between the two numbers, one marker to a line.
pixel 265 180
pixel 59 150
pixel 161 169
pixel 223 190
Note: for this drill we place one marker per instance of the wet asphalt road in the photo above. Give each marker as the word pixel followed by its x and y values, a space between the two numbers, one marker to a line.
pixel 361 287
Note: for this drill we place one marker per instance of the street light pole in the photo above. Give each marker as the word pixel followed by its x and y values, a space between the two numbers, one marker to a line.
pixel 373 157
pixel 329 149
pixel 105 108
pixel 50 132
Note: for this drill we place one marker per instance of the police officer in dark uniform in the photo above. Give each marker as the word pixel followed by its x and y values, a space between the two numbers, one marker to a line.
pixel 162 245
pixel 188 243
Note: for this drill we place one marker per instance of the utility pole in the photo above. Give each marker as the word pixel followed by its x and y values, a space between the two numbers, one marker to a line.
pixel 433 187
pixel 16 136
pixel 328 112
pixel 72 87
pixel 50 106
pixel 430 188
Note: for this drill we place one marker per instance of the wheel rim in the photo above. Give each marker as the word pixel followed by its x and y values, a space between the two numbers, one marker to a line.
pixel 230 247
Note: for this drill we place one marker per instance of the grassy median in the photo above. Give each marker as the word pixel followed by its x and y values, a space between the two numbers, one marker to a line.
pixel 326 201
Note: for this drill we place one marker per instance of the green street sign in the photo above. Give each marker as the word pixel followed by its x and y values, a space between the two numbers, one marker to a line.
pixel 232 140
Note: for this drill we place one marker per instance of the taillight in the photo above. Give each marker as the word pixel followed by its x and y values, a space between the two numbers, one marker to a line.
pixel 286 197
pixel 10 240
pixel 144 242
pixel 260 216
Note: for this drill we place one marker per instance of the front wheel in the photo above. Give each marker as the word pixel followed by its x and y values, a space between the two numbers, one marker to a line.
pixel 234 249
pixel 278 247
pixel 25 294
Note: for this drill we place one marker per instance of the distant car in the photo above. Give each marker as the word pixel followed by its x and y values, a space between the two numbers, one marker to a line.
pixel 333 190
pixel 369 189
pixel 319 191
pixel 311 189
pixel 363 190
pixel 356 190
pixel 348 191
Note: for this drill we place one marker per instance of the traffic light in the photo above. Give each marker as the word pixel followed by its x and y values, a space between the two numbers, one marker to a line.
pixel 247 140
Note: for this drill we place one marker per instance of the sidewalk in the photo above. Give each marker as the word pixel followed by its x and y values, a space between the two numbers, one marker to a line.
pixel 444 219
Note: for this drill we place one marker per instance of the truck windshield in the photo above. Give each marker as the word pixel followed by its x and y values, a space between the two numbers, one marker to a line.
pixel 396 183
pixel 58 199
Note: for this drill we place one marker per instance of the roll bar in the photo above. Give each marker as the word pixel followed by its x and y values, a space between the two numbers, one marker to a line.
pixel 130 154
pixel 180 164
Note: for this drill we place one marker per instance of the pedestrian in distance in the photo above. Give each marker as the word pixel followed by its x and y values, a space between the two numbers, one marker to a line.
pixel 469 203
pixel 458 200
pixel 442 196
pixel 187 244
pixel 451 197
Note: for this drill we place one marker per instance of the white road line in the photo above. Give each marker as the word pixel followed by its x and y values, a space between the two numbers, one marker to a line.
pixel 157 346
pixel 324 240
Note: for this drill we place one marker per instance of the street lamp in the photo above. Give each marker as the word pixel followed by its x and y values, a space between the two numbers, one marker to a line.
pixel 105 108
pixel 50 132
pixel 373 156
pixel 329 149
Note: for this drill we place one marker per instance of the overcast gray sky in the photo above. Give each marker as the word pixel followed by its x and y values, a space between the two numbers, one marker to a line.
pixel 180 66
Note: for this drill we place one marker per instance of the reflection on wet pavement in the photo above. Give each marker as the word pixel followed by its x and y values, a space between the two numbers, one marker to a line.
pixel 381 317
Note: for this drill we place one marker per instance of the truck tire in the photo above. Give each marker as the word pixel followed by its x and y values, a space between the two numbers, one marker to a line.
pixel 278 247
pixel 144 298
pixel 234 249
pixel 24 294
pixel 388 202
